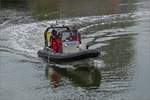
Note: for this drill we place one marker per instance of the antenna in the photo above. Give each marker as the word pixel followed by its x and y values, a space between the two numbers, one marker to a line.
pixel 56 22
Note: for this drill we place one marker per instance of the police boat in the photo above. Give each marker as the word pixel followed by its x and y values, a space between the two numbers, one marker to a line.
pixel 63 44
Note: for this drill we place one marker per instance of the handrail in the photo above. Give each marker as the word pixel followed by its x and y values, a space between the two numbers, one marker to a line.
pixel 47 29
pixel 58 27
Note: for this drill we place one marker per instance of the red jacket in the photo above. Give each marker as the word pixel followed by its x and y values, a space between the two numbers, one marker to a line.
pixel 56 44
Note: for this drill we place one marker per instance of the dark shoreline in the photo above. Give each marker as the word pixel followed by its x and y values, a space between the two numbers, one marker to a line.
pixel 13 4
pixel 12 0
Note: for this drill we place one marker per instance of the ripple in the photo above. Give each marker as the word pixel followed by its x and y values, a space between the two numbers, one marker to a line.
pixel 97 45
pixel 29 37
pixel 105 39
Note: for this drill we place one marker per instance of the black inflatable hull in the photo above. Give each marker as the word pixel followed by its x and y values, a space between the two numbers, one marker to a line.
pixel 47 55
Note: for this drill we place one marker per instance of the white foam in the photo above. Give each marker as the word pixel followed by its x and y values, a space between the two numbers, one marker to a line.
pixel 97 45
pixel 29 37
pixel 105 39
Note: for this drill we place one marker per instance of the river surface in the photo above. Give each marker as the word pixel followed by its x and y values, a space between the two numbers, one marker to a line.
pixel 119 29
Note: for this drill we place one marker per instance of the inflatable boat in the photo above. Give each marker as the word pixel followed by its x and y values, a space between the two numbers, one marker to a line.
pixel 67 48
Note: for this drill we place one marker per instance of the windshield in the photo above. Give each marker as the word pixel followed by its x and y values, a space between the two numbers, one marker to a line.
pixel 66 36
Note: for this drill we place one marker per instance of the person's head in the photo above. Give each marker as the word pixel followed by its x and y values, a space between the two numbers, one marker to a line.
pixel 54 33
pixel 74 30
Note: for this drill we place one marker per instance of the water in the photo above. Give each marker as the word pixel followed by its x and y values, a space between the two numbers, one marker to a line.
pixel 118 29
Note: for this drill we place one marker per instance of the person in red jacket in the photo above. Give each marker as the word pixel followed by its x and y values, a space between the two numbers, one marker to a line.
pixel 76 35
pixel 56 43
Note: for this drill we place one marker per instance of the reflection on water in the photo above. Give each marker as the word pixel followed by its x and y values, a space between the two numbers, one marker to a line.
pixel 81 76
pixel 120 52
pixel 116 27
pixel 10 4
pixel 72 8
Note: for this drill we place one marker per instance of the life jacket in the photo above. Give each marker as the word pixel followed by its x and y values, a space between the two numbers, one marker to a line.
pixel 56 44
pixel 49 34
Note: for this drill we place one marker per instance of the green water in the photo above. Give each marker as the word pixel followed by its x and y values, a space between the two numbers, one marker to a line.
pixel 119 29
